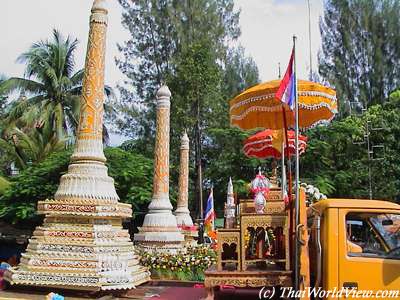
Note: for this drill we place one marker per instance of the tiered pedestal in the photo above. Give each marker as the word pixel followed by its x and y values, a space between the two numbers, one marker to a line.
pixel 80 246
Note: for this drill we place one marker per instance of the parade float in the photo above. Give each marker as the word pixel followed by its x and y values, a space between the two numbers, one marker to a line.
pixel 81 244
pixel 262 249
pixel 253 249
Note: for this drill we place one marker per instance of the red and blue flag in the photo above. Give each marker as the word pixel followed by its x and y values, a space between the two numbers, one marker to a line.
pixel 287 88
pixel 210 214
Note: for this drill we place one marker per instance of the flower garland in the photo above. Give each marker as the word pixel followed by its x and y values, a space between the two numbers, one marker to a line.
pixel 313 194
pixel 181 266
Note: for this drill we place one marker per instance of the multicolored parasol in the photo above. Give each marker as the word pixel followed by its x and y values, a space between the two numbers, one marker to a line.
pixel 268 144
pixel 257 106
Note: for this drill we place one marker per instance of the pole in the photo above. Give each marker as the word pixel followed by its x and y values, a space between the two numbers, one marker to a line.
pixel 297 179
pixel 286 141
pixel 283 184
pixel 279 70
pixel 369 161
pixel 309 36
pixel 288 181
pixel 199 169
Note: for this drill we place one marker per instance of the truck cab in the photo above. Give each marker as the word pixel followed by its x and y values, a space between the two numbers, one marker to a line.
pixel 356 245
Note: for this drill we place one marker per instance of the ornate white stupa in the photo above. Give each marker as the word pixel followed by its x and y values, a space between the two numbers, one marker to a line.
pixel 160 232
pixel 182 212
pixel 230 207
pixel 81 244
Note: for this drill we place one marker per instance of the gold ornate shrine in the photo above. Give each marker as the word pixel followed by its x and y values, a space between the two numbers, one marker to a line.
pixel 228 239
pixel 256 252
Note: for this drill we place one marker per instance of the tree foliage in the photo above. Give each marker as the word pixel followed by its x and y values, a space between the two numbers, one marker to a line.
pixel 51 84
pixel 4 184
pixel 336 159
pixel 37 182
pixel 162 32
pixel 361 50
pixel 46 115
pixel 132 174
pixel 186 45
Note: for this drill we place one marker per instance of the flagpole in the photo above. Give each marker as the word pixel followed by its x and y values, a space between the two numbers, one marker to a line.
pixel 283 166
pixel 297 203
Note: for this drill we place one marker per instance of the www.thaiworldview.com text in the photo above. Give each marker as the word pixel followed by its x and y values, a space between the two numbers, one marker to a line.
pixel 338 293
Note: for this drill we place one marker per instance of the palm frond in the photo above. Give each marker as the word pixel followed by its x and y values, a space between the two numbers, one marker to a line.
pixel 77 91
pixel 27 144
pixel 109 91
pixel 77 78
pixel 59 124
pixel 10 148
pixel 65 50
pixel 21 84
pixel 23 106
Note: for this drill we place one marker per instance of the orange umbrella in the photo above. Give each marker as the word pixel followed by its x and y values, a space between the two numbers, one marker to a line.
pixel 268 143
pixel 257 106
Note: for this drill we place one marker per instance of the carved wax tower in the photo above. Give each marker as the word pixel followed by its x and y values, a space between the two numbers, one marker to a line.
pixel 182 211
pixel 230 208
pixel 160 231
pixel 81 244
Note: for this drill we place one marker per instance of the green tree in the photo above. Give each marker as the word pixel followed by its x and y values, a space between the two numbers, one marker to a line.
pixel 32 147
pixel 186 45
pixel 132 174
pixel 240 73
pixel 360 50
pixel 4 159
pixel 51 89
pixel 3 100
pixel 51 84
pixel 161 31
pixel 338 164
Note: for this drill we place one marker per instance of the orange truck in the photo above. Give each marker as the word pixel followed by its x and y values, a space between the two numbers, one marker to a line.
pixel 353 244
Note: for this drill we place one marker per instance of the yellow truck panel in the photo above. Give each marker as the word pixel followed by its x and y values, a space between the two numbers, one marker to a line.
pixel 360 242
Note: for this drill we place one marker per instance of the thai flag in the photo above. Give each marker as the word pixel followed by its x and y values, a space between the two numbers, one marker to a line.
pixel 210 214
pixel 287 88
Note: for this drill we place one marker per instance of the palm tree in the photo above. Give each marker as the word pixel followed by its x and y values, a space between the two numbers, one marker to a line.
pixel 33 146
pixel 52 87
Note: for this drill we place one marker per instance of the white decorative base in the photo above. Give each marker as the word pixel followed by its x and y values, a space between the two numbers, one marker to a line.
pixel 160 247
pixel 159 237
pixel 160 231
pixel 80 253
pixel 86 180
pixel 182 216
pixel 160 219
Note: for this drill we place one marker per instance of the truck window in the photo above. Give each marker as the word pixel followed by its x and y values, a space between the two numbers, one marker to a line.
pixel 373 235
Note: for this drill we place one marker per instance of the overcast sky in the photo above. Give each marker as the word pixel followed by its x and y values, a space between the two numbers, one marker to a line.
pixel 267 28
